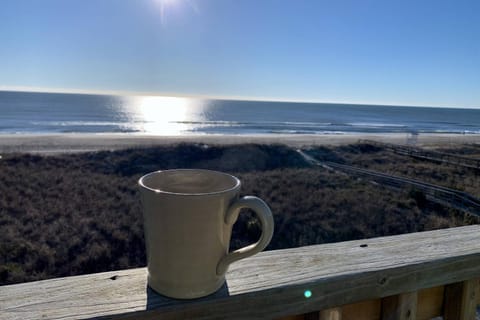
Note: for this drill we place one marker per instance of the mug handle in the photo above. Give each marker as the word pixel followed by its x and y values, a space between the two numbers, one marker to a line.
pixel 266 220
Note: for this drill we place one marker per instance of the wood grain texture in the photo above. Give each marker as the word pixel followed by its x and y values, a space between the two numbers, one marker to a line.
pixel 330 314
pixel 269 285
pixel 430 303
pixel 461 300
pixel 364 310
pixel 400 307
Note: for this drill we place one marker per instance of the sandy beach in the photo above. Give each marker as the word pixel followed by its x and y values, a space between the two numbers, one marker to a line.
pixel 75 142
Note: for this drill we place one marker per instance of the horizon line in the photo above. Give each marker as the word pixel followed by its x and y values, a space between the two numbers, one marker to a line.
pixel 213 97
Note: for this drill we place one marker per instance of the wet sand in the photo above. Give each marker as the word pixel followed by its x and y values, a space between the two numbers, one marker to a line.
pixel 76 142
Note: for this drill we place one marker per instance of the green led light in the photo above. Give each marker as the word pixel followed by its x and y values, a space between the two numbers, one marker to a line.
pixel 307 294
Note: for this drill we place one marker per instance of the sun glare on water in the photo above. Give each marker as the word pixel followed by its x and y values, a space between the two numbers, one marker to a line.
pixel 164 115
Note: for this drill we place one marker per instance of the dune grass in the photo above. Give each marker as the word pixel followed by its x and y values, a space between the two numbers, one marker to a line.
pixel 80 213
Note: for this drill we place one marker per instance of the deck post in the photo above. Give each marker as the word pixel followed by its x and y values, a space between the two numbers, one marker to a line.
pixel 400 307
pixel 461 300
pixel 330 314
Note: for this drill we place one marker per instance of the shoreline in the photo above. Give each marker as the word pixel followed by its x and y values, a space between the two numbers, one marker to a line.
pixel 89 142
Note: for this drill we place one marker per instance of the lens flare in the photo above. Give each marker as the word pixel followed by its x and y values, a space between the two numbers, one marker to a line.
pixel 307 294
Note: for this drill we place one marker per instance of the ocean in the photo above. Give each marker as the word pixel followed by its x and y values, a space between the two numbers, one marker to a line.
pixel 48 113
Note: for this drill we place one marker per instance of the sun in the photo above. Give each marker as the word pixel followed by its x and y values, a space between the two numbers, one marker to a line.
pixel 167 7
pixel 166 2
pixel 164 6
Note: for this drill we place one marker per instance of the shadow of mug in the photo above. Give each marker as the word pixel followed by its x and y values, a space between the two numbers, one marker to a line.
pixel 156 300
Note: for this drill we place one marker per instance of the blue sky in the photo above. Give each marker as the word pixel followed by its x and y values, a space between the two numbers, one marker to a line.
pixel 385 52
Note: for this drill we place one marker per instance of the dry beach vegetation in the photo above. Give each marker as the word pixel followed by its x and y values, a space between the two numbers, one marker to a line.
pixel 68 214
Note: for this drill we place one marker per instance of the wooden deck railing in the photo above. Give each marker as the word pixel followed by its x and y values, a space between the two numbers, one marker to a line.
pixel 412 276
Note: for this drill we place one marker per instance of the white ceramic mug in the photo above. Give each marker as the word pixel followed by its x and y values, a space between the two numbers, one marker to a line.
pixel 188 219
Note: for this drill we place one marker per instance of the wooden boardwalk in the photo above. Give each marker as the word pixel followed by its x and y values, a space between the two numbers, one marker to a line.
pixel 450 197
pixel 430 155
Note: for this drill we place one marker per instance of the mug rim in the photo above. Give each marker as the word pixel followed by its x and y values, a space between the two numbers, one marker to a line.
pixel 237 182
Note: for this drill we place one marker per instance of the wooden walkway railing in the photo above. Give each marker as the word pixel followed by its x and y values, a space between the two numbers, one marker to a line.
pixel 446 196
pixel 412 276
pixel 431 155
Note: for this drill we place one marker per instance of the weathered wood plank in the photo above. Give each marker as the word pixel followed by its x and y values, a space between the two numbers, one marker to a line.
pixel 364 310
pixel 330 314
pixel 461 300
pixel 400 307
pixel 297 317
pixel 269 285
pixel 430 303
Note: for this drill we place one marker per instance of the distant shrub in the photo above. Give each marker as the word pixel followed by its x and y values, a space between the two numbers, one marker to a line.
pixel 419 197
